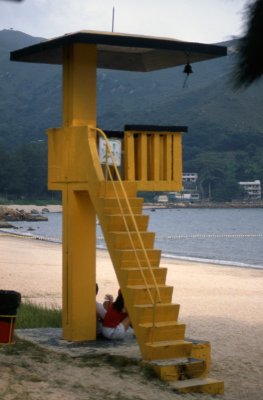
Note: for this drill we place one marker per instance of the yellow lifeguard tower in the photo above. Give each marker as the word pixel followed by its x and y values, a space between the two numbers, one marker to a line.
pixel 151 160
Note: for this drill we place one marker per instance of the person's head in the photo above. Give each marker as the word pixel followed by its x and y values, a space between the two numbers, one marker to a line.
pixel 119 302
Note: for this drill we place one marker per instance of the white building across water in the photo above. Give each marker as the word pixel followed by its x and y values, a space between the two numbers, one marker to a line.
pixel 252 189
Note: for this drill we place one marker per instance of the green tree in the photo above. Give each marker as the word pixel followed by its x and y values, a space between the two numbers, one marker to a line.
pixel 250 59
pixel 4 170
pixel 227 190
pixel 34 158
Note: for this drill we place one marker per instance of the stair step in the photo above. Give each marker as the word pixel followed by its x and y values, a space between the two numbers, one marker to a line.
pixel 144 295
pixel 161 312
pixel 115 202
pixel 201 385
pixel 116 222
pixel 167 349
pixel 129 259
pixel 160 336
pixel 160 324
pixel 178 369
pixel 120 206
pixel 137 276
pixel 162 331
pixel 125 210
pixel 124 240
pixel 201 349
pixel 107 189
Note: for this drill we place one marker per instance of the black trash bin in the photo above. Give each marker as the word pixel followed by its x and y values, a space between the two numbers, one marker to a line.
pixel 9 303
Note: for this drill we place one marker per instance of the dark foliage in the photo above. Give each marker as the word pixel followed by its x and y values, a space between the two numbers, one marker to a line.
pixel 250 62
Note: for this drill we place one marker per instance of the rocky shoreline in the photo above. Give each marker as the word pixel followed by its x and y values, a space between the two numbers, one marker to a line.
pixel 8 215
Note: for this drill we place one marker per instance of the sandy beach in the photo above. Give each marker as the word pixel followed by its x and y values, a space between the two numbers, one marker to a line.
pixel 221 304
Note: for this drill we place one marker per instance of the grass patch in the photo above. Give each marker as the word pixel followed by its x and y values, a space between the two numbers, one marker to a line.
pixel 35 316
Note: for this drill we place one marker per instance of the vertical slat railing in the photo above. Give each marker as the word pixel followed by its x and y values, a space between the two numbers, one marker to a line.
pixel 154 158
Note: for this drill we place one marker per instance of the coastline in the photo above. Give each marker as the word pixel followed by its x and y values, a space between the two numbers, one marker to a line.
pixel 235 260
pixel 165 256
pixel 205 204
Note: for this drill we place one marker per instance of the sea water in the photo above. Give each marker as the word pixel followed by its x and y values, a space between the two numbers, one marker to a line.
pixel 224 236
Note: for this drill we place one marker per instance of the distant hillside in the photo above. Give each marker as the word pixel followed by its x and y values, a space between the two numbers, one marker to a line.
pixel 220 121
pixel 30 98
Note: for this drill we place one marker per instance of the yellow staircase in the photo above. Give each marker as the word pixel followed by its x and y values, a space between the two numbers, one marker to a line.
pixel 148 299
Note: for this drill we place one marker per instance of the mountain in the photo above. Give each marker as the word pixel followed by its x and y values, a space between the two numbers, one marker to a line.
pixel 30 99
pixel 221 121
pixel 30 93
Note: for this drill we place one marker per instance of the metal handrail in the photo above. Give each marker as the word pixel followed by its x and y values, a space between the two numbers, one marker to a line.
pixel 109 172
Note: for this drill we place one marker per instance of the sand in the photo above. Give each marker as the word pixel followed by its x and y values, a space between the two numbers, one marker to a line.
pixel 221 304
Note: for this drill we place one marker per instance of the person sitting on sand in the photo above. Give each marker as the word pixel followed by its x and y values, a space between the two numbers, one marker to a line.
pixel 101 309
pixel 116 323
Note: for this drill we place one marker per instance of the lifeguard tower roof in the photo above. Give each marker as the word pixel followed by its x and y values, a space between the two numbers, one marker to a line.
pixel 122 51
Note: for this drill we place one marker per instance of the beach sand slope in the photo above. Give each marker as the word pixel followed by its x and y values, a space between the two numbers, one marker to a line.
pixel 220 304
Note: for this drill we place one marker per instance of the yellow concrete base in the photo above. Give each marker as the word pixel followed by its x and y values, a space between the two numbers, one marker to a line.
pixel 205 385
pixel 189 375
pixel 178 369
pixel 201 349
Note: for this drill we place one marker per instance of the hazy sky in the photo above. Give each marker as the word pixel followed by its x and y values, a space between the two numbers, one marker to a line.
pixel 207 21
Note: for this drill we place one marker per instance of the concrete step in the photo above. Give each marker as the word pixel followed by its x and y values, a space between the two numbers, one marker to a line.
pixel 137 276
pixel 178 369
pixel 166 349
pixel 116 222
pixel 132 240
pixel 196 385
pixel 125 210
pixel 107 189
pixel 201 349
pixel 164 312
pixel 128 259
pixel 162 331
pixel 146 295
pixel 120 206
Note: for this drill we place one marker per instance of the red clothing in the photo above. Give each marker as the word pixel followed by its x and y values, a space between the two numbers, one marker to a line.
pixel 113 317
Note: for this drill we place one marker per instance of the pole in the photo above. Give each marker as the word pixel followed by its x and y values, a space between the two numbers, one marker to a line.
pixel 112 26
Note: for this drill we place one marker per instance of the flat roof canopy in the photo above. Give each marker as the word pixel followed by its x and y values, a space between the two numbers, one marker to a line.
pixel 122 51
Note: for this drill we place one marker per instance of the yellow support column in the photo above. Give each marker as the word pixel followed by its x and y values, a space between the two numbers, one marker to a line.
pixel 79 218
pixel 79 260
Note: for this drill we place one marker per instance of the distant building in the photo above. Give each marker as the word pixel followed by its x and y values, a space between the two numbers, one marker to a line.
pixel 190 177
pixel 252 189
pixel 184 196
pixel 162 198
pixel 190 189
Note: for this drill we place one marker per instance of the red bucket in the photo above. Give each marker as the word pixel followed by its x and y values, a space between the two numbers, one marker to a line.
pixel 7 323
